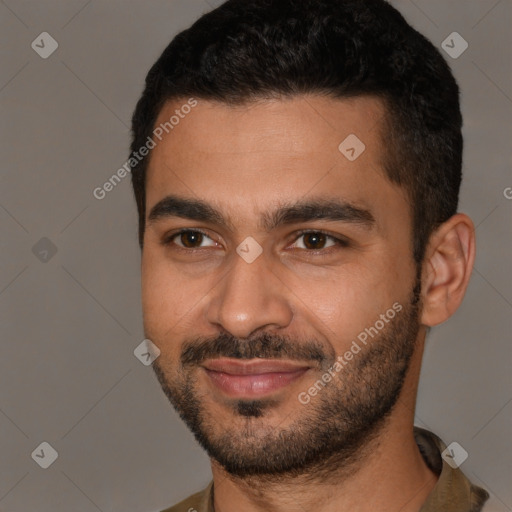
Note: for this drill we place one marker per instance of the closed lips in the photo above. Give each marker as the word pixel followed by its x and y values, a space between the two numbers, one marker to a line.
pixel 253 367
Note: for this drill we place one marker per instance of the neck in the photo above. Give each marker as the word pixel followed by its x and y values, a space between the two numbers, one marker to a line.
pixel 389 474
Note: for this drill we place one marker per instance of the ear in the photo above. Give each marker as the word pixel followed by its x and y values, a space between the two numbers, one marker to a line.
pixel 447 267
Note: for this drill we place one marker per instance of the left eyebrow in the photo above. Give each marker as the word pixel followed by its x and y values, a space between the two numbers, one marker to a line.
pixel 320 209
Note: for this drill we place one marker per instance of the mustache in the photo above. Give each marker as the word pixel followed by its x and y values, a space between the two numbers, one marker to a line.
pixel 268 346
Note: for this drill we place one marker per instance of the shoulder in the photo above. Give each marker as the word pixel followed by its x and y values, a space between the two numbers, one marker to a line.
pixel 198 502
pixel 453 490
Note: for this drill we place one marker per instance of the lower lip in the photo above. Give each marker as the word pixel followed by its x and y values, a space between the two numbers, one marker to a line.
pixel 253 385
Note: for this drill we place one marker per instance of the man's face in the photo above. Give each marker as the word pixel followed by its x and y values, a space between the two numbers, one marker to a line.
pixel 293 257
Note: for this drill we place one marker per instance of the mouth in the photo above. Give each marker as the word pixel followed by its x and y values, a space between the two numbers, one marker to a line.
pixel 253 378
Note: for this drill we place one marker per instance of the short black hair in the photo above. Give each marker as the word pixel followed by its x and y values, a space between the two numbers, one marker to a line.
pixel 247 50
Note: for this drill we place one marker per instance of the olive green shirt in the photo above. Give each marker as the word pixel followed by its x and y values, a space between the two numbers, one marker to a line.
pixel 453 492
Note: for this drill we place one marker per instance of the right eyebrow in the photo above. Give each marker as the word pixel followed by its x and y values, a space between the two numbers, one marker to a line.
pixel 174 206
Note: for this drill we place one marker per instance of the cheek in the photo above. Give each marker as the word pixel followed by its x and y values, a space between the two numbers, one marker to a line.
pixel 169 299
pixel 343 303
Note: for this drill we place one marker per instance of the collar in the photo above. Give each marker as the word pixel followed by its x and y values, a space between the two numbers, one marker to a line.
pixel 453 492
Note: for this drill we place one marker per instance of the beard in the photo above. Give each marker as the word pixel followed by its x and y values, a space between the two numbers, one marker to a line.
pixel 332 431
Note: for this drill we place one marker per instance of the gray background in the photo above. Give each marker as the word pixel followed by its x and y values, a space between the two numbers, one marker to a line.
pixel 68 375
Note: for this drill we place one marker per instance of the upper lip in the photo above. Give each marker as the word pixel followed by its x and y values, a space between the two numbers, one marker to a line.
pixel 253 366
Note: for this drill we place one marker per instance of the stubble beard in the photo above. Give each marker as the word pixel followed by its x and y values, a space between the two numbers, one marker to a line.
pixel 330 432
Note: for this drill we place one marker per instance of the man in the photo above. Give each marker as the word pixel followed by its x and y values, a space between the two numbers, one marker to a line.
pixel 299 233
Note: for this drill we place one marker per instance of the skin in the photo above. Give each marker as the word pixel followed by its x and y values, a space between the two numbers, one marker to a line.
pixel 245 161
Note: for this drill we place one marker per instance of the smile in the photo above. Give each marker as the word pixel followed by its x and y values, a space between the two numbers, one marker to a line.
pixel 253 378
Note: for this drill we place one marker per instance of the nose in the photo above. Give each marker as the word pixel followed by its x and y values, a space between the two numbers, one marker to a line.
pixel 250 298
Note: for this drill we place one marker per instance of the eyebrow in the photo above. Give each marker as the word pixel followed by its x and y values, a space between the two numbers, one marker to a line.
pixel 285 214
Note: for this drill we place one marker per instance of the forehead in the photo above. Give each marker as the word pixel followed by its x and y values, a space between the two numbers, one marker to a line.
pixel 300 124
pixel 271 151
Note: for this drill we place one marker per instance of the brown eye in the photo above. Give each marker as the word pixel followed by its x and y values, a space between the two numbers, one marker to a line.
pixel 314 240
pixel 318 241
pixel 191 239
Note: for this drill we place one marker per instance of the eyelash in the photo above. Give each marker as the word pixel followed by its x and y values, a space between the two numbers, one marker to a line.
pixel 340 242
